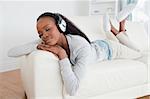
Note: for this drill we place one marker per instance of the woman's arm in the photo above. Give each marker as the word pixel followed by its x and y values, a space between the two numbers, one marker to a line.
pixel 23 49
pixel 72 75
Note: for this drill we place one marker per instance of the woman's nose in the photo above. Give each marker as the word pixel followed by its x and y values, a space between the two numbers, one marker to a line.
pixel 44 36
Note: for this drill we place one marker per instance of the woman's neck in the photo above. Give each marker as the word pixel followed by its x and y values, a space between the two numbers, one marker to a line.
pixel 63 43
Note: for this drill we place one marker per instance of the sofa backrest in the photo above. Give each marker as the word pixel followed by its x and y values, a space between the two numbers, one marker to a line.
pixel 138 34
pixel 92 26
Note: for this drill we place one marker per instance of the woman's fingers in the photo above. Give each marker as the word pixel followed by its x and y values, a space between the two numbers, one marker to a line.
pixel 56 49
pixel 40 46
pixel 53 49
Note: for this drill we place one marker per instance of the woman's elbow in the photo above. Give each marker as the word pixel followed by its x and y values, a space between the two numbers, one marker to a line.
pixel 73 90
pixel 10 53
pixel 14 53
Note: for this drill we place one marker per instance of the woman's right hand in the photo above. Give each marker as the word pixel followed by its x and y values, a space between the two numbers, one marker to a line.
pixel 56 49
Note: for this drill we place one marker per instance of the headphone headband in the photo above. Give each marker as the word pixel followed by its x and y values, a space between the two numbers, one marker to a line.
pixel 60 22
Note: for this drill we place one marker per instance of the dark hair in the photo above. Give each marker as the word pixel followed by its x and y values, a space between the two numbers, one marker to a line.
pixel 70 27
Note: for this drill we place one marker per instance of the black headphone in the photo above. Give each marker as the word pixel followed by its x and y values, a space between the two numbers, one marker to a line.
pixel 61 24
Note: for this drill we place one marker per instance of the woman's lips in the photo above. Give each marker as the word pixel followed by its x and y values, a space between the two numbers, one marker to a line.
pixel 47 41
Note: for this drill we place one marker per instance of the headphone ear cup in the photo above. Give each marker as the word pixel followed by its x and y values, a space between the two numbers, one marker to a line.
pixel 62 25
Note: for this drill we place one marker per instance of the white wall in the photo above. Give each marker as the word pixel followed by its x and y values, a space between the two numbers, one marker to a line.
pixel 18 20
pixel 147 7
pixel 1 40
pixel 148 11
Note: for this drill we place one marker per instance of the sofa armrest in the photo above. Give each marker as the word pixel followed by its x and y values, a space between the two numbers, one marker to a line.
pixel 41 75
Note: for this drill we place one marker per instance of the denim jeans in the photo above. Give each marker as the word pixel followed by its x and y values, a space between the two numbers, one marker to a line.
pixel 103 44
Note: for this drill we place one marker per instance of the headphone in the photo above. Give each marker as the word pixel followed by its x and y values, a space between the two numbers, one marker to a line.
pixel 61 24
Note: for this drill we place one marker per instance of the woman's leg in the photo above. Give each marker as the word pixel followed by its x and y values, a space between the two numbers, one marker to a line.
pixel 120 51
pixel 124 49
pixel 122 36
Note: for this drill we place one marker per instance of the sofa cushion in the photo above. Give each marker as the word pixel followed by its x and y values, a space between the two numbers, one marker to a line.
pixel 113 75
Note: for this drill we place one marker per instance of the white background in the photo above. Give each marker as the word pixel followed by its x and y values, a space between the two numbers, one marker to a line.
pixel 18 22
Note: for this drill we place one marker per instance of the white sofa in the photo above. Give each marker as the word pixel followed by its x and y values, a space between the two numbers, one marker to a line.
pixel 115 79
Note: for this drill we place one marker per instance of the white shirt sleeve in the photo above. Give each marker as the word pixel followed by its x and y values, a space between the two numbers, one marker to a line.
pixel 72 75
pixel 23 49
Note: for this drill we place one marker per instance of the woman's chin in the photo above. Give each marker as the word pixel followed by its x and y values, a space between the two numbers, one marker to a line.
pixel 50 43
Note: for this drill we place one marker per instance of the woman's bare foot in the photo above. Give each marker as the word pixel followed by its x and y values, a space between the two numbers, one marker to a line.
pixel 122 26
pixel 114 30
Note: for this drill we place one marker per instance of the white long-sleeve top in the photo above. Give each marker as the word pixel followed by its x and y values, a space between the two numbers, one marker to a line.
pixel 73 67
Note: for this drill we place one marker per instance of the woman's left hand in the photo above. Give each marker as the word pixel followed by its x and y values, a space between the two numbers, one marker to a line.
pixel 56 49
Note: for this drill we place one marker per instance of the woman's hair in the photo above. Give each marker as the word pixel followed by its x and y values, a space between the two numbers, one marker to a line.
pixel 70 26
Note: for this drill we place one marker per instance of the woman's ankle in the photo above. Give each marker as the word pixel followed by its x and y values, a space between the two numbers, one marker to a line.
pixel 122 26
pixel 114 31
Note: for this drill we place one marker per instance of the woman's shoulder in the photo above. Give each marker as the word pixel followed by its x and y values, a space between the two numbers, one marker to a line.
pixel 77 40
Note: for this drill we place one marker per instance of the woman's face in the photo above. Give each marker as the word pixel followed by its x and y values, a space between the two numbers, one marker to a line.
pixel 48 31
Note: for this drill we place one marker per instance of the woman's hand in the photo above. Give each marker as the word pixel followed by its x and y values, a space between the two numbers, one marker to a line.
pixel 56 49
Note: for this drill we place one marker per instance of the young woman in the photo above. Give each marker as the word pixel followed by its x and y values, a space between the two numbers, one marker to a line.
pixel 73 48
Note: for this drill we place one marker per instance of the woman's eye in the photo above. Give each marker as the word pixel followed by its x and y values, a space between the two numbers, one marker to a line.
pixel 47 29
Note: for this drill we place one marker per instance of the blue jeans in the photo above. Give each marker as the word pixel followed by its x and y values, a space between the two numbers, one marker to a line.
pixel 103 44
